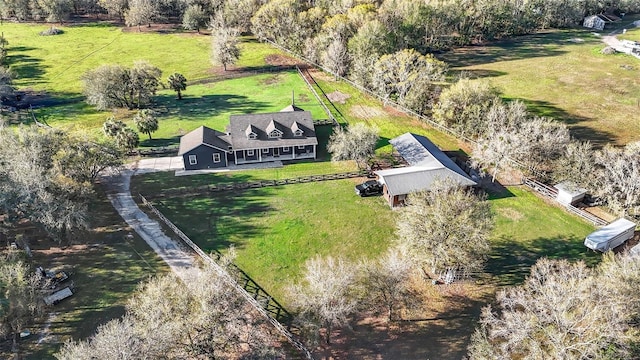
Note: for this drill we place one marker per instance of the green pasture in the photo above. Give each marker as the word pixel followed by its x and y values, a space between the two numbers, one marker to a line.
pixel 52 66
pixel 208 104
pixel 56 63
pixel 360 107
pixel 276 229
pixel 562 74
pixel 528 228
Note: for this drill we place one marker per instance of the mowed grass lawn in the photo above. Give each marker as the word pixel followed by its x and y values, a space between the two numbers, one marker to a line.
pixel 562 74
pixel 54 65
pixel 276 229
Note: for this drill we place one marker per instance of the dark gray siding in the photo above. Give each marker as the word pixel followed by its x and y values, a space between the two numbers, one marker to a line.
pixel 204 158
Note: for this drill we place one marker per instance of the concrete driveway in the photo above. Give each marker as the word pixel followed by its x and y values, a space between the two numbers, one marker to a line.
pixel 148 165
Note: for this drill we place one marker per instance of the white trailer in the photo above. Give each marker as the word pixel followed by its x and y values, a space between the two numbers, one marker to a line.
pixel 610 236
pixel 58 296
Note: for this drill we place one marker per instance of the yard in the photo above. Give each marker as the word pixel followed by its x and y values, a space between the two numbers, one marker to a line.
pixel 274 231
pixel 105 266
pixel 562 74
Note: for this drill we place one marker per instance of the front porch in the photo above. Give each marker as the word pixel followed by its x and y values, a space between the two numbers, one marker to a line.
pixel 270 158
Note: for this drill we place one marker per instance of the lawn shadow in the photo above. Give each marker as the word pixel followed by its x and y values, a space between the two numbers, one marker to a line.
pixel 172 141
pixel 476 73
pixel 224 218
pixel 494 189
pixel 207 106
pixel 510 262
pixel 544 108
pixel 543 44
pixel 25 67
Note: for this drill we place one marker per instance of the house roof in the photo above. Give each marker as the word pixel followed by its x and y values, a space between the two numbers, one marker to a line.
pixel 204 136
pixel 262 124
pixel 428 164
pixel 291 107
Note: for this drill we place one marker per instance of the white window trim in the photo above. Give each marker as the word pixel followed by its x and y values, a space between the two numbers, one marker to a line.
pixel 193 160
pixel 285 149
pixel 298 133
pixel 216 157
pixel 301 147
pixel 274 134
pixel 250 152
pixel 265 151
pixel 252 136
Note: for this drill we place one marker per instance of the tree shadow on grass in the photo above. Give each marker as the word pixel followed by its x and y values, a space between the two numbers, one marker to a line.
pixel 207 106
pixel 476 73
pixel 218 220
pixel 516 48
pixel 27 68
pixel 574 122
pixel 172 141
pixel 510 262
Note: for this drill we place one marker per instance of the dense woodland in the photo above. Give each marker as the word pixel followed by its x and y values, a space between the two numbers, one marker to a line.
pixel 390 48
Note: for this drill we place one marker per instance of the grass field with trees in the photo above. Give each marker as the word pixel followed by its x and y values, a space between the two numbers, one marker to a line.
pixel 276 229
pixel 594 94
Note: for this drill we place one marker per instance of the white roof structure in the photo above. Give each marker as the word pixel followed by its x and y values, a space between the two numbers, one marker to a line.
pixel 608 232
pixel 428 164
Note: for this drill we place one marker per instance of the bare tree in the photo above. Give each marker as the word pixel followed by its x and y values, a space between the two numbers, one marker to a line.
pixel 167 318
pixel 618 171
pixel 224 43
pixel 336 57
pixel 577 164
pixel 140 12
pixel 446 229
pixel 115 7
pixel 357 142
pixel 386 281
pixel 563 311
pixel 19 288
pixel 324 295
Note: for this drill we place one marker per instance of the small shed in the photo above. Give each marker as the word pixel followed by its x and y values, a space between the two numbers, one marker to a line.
pixel 594 22
pixel 569 193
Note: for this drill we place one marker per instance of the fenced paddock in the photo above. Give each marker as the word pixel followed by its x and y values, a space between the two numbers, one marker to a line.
pixel 237 279
pixel 551 193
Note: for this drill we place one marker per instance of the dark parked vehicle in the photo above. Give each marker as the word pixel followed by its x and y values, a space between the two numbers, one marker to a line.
pixel 369 188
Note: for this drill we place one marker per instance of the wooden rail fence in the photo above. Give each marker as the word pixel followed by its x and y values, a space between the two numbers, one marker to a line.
pixel 552 192
pixel 257 184
pixel 313 90
pixel 234 277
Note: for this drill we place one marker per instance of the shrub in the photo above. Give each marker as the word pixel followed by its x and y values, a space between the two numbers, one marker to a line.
pixel 51 31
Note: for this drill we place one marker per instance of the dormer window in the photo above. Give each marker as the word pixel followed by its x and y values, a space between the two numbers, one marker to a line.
pixel 273 131
pixel 251 132
pixel 275 134
pixel 295 128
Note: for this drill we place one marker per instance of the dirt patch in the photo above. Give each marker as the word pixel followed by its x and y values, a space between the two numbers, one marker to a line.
pixel 365 112
pixel 280 60
pixel 271 80
pixel 440 330
pixel 511 214
pixel 338 97
pixel 154 28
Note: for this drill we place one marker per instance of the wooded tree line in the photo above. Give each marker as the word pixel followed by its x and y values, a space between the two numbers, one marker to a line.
pixel 507 136
pixel 565 311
